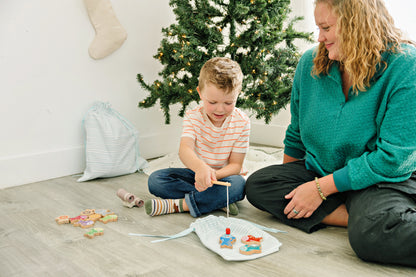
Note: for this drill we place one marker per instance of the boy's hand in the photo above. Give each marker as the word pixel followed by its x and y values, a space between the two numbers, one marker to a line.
pixel 204 177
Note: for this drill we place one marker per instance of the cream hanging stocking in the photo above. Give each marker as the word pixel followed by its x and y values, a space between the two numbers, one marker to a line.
pixel 109 34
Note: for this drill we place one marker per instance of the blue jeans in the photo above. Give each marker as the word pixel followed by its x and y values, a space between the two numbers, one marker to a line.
pixel 178 183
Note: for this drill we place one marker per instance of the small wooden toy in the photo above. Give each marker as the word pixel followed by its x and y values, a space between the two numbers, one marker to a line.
pixel 227 240
pixel 250 249
pixel 88 212
pixel 74 220
pixel 63 219
pixel 250 240
pixel 103 212
pixel 94 217
pixel 129 200
pixel 109 218
pixel 84 223
pixel 94 232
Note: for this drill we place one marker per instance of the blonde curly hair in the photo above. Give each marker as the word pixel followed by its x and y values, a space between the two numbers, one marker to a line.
pixel 223 73
pixel 365 29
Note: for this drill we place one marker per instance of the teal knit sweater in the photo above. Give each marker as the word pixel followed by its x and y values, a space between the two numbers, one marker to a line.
pixel 370 138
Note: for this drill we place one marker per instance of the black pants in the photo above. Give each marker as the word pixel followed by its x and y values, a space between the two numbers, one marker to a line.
pixel 382 218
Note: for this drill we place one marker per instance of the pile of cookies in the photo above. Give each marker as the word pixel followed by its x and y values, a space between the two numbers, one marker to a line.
pixel 252 245
pixel 87 219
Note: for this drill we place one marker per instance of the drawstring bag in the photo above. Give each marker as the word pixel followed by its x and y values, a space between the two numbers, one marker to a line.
pixel 111 145
pixel 209 230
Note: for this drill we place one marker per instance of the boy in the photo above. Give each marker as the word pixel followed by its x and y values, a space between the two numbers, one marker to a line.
pixel 214 141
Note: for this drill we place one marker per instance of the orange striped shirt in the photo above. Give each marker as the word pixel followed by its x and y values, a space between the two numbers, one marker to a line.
pixel 213 144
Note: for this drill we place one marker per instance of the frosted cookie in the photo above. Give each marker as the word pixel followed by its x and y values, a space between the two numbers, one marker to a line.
pixel 94 232
pixel 109 218
pixel 84 223
pixel 250 249
pixel 227 240
pixel 94 217
pixel 103 212
pixel 74 220
pixel 250 240
pixel 88 212
pixel 63 219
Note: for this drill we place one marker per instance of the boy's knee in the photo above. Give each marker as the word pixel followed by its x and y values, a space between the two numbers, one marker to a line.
pixel 153 182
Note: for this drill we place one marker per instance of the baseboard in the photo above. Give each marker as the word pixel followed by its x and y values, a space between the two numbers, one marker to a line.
pixel 270 134
pixel 24 169
pixel 30 168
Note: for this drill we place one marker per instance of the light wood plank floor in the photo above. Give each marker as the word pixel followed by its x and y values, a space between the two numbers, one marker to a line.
pixel 32 244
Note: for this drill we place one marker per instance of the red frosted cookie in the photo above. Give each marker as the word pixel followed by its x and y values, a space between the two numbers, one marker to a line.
pixel 249 239
pixel 74 220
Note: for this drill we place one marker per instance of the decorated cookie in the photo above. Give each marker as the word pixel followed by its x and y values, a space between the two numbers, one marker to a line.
pixel 63 219
pixel 250 249
pixel 94 232
pixel 94 217
pixel 88 212
pixel 103 212
pixel 74 220
pixel 227 240
pixel 109 218
pixel 84 223
pixel 250 240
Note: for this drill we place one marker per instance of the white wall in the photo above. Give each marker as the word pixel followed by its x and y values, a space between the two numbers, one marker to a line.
pixel 274 132
pixel 48 81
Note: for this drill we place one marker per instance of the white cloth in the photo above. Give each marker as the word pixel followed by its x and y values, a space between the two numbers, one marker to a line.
pixel 209 230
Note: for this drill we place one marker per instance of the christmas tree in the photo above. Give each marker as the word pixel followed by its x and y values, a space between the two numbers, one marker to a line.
pixel 255 33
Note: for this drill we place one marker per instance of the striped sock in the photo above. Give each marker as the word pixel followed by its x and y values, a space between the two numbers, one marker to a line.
pixel 163 206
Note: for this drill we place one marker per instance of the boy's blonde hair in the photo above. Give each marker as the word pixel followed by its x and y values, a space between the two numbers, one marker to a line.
pixel 223 73
pixel 365 29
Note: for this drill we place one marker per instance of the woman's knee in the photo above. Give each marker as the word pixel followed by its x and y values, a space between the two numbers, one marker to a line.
pixel 251 191
pixel 380 237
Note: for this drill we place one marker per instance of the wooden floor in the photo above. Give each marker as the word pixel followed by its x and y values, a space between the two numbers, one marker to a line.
pixel 33 244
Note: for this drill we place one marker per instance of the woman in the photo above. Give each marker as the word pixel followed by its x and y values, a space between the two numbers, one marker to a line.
pixel 350 149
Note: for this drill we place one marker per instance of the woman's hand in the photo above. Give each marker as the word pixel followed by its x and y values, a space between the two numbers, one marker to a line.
pixel 304 201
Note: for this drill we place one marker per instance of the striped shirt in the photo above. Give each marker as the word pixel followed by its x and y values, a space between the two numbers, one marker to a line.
pixel 214 145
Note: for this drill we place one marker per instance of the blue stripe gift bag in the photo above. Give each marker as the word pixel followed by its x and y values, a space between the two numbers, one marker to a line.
pixel 111 144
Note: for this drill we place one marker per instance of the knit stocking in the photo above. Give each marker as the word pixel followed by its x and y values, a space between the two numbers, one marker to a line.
pixel 163 206
pixel 109 34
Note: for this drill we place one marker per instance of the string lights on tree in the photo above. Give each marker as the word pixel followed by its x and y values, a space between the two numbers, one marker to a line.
pixel 258 34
